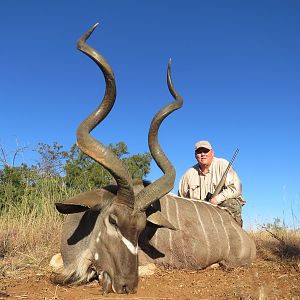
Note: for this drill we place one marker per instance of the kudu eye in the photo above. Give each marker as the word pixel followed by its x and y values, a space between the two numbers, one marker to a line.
pixel 113 220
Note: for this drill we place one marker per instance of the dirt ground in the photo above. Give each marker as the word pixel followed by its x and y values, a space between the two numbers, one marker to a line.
pixel 264 279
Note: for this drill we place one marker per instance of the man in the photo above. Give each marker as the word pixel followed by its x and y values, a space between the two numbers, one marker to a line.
pixel 204 177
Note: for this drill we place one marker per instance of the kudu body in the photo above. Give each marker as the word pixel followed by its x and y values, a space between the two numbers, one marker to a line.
pixel 105 229
pixel 205 234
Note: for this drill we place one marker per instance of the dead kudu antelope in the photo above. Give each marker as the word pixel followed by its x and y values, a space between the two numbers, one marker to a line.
pixel 101 230
pixel 105 228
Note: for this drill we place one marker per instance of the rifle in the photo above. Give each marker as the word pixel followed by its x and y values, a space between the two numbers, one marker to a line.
pixel 222 181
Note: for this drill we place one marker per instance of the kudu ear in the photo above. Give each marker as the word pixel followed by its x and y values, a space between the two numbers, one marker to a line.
pixel 158 219
pixel 84 201
pixel 70 208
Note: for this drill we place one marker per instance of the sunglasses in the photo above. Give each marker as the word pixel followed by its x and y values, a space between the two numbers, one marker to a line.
pixel 202 150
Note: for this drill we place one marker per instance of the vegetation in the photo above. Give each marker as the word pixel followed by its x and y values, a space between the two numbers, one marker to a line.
pixel 276 240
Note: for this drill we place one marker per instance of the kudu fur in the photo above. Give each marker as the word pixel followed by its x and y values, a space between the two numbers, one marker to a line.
pixel 101 230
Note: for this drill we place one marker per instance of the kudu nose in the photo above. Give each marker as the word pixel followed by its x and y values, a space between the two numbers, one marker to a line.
pixel 126 289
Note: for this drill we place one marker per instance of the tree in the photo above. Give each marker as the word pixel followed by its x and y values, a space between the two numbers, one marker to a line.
pixel 14 183
pixel 138 164
pixel 84 173
pixel 14 180
pixel 4 156
pixel 52 159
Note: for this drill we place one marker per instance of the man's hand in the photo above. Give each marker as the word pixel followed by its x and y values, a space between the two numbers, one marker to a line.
pixel 213 201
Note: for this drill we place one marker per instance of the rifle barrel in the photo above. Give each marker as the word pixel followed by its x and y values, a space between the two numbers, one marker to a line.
pixel 222 181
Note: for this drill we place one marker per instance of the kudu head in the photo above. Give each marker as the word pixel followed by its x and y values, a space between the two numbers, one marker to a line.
pixel 112 221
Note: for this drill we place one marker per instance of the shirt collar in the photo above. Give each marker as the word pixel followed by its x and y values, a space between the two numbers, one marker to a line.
pixel 209 168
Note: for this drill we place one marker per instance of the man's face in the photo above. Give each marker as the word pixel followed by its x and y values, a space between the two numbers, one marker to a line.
pixel 204 157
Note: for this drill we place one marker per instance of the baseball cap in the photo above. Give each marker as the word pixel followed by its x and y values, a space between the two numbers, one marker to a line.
pixel 203 144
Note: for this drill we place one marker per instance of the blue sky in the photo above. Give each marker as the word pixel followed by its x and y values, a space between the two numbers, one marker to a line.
pixel 235 63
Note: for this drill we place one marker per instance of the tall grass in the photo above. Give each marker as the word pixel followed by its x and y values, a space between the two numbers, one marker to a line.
pixel 30 228
pixel 276 241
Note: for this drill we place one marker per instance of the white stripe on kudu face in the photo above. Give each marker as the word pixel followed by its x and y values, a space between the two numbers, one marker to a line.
pixel 114 231
pixel 129 245
pixel 98 237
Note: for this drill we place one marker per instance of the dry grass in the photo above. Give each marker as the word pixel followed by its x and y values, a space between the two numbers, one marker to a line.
pixel 27 242
pixel 279 246
pixel 30 229
pixel 29 233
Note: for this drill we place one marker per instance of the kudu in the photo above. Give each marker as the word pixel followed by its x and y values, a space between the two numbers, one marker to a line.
pixel 101 230
pixel 105 228
pixel 205 234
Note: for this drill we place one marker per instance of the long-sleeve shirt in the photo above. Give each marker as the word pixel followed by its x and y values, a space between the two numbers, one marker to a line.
pixel 194 184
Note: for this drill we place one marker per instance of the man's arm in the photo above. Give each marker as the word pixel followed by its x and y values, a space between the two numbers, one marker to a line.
pixel 183 187
pixel 232 189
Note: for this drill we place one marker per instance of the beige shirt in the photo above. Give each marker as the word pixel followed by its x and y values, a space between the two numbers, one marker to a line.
pixel 194 184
